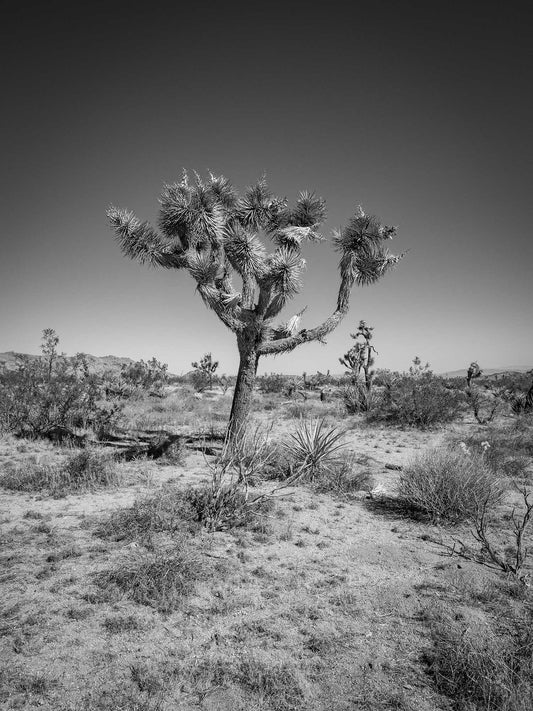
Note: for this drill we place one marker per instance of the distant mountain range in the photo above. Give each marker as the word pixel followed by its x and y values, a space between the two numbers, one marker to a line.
pixel 97 364
pixel 489 371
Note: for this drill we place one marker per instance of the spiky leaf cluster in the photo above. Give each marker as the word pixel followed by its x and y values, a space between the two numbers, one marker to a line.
pixel 364 255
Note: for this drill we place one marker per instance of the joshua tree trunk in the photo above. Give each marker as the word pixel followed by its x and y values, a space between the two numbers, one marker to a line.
pixel 242 398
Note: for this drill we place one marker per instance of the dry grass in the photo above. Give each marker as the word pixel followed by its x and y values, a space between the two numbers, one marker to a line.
pixel 481 667
pixel 166 511
pixel 85 471
pixel 159 579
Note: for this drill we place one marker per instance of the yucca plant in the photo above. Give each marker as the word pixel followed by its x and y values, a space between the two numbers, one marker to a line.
pixel 211 232
pixel 312 447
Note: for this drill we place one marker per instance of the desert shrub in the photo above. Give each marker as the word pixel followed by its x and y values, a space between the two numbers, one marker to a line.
pixel 159 579
pixel 482 668
pixel 46 394
pixel 418 398
pixel 226 506
pixel 166 511
pixel 272 383
pixel 145 376
pixel 84 471
pixel 449 485
pixel 345 475
pixel 199 380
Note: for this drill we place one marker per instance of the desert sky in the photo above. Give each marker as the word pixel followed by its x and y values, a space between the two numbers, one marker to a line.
pixel 421 112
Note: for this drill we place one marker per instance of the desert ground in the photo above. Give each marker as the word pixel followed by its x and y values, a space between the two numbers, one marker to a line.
pixel 325 598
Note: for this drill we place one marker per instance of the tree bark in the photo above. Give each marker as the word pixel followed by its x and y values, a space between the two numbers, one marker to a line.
pixel 242 398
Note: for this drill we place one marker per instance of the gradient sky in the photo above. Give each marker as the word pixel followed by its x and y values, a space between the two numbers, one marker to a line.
pixel 421 112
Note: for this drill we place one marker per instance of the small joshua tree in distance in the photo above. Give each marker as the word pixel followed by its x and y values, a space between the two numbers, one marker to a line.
pixel 360 357
pixel 211 232
pixel 207 366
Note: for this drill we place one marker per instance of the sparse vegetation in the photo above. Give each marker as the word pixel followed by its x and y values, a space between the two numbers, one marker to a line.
pixel 198 549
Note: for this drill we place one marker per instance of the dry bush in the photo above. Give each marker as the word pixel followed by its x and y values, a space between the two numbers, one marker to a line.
pixel 418 399
pixel 166 511
pixel 160 579
pixel 272 383
pixel 85 471
pixel 226 506
pixel 449 485
pixel 344 476
pixel 511 559
pixel 481 668
pixel 226 501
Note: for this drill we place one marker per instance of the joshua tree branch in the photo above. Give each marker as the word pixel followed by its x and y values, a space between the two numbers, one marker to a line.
pixel 282 345
pixel 139 241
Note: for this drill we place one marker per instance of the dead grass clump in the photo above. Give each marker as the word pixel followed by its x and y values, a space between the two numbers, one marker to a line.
pixel 19 688
pixel 449 485
pixel 274 683
pixel 266 684
pixel 116 698
pixel 159 579
pixel 120 624
pixel 481 668
pixel 166 511
pixel 344 476
pixel 276 465
pixel 87 470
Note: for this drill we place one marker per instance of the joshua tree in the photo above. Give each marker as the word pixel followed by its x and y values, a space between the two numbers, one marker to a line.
pixel 359 357
pixel 207 367
pixel 208 230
